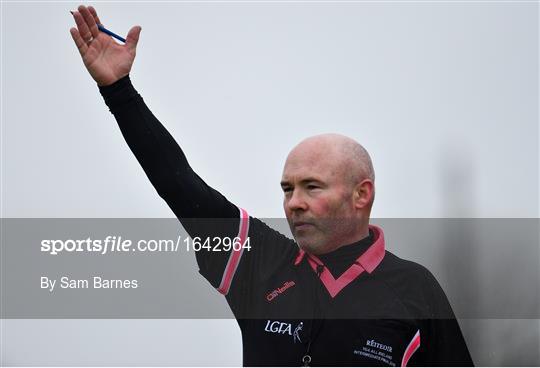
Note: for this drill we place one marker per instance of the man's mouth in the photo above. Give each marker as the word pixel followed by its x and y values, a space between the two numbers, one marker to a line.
pixel 300 225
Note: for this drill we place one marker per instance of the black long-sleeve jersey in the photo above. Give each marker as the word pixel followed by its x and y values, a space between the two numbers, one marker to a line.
pixel 360 305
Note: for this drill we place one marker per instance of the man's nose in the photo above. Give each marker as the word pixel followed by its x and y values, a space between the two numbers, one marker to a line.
pixel 296 201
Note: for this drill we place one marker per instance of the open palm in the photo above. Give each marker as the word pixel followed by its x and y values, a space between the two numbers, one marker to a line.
pixel 106 60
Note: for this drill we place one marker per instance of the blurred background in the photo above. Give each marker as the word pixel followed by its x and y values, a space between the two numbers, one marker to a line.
pixel 443 94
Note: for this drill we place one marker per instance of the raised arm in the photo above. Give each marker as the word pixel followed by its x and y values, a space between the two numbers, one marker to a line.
pixel 109 63
pixel 203 211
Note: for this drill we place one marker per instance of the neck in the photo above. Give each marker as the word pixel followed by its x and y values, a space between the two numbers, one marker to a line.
pixel 362 233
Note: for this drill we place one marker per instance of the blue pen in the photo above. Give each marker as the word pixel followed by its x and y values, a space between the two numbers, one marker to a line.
pixel 106 31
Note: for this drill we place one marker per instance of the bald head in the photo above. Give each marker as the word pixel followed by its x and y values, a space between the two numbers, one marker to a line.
pixel 342 156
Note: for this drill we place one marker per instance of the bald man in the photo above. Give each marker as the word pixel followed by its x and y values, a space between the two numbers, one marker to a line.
pixel 334 295
pixel 328 181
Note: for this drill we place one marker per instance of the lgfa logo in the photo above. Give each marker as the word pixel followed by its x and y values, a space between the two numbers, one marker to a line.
pixel 284 328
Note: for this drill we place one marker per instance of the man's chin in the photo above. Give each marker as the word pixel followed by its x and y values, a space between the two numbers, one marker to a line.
pixel 308 245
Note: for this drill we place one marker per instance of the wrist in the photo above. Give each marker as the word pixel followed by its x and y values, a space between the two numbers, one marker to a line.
pixel 118 93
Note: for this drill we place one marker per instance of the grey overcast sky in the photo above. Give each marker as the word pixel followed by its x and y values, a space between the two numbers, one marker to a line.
pixel 444 95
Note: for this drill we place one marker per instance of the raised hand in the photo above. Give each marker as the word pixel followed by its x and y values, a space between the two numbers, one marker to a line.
pixel 106 60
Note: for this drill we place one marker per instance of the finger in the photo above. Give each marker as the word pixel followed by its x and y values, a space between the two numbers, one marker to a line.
pixel 94 14
pixel 84 31
pixel 132 37
pixel 90 21
pixel 81 45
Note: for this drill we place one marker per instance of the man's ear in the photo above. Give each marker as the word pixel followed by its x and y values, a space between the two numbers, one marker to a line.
pixel 363 194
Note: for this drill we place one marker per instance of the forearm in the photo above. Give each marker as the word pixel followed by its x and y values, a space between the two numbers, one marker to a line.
pixel 162 158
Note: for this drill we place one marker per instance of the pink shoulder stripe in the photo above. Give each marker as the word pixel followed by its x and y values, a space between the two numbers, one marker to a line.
pixel 411 348
pixel 236 254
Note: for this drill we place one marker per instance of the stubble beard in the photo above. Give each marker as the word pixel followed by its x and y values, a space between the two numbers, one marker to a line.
pixel 326 236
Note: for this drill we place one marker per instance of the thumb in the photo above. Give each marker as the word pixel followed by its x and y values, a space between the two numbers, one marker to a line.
pixel 132 37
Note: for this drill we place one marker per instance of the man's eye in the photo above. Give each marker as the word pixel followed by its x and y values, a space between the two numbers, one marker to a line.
pixel 311 187
pixel 286 190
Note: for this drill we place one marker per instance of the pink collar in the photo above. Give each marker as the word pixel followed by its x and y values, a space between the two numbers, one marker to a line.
pixel 368 261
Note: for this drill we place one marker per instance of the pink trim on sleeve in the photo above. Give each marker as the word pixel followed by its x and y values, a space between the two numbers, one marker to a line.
pixel 234 257
pixel 411 348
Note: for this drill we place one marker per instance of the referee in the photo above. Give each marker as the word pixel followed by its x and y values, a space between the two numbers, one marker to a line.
pixel 332 297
